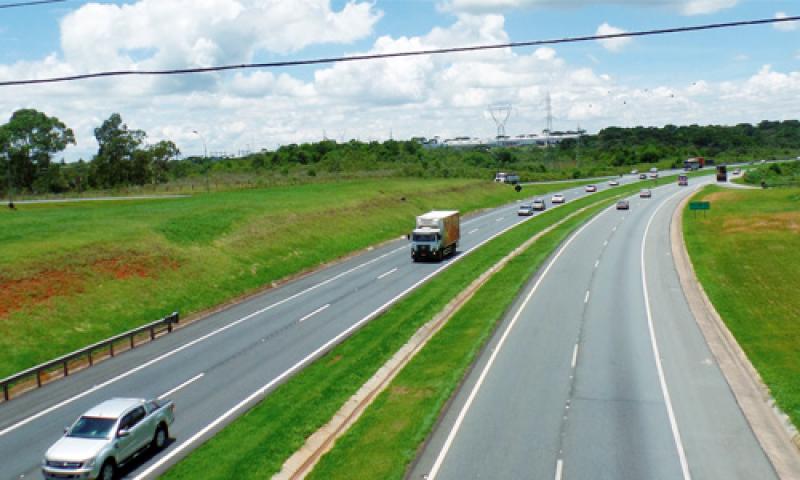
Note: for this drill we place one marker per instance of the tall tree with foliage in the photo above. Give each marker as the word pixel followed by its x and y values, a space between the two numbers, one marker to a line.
pixel 28 142
pixel 114 163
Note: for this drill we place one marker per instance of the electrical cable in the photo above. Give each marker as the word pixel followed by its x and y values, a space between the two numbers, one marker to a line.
pixel 293 63
pixel 29 4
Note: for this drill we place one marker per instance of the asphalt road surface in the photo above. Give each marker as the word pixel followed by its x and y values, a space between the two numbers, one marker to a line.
pixel 599 371
pixel 216 368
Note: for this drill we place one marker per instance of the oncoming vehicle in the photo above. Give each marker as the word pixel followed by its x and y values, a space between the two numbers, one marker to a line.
pixel 558 198
pixel 642 176
pixel 504 177
pixel 107 436
pixel 683 180
pixel 613 183
pixel 645 193
pixel 524 210
pixel 591 188
pixel 623 205
pixel 654 175
pixel 539 204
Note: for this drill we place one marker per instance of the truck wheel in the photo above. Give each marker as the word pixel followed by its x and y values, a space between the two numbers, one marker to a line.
pixel 108 470
pixel 160 438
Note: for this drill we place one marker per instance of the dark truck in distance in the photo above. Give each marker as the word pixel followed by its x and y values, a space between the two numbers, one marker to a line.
pixel 107 436
pixel 722 173
pixel 436 235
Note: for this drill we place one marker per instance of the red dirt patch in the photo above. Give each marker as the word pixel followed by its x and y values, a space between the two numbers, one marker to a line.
pixel 20 293
pixel 128 266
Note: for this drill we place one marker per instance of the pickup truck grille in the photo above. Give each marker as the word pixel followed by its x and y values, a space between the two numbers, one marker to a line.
pixel 65 465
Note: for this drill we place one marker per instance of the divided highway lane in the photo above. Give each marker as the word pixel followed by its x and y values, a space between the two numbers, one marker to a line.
pixel 571 386
pixel 214 368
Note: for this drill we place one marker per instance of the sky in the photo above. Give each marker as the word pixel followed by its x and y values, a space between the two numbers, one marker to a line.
pixel 741 75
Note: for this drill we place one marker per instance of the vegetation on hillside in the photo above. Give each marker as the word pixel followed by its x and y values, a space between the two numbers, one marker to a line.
pixel 774 175
pixel 30 142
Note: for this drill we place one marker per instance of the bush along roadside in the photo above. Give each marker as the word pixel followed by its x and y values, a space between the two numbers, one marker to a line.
pixel 258 443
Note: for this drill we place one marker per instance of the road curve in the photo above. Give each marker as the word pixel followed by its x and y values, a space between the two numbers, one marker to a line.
pixel 216 368
pixel 599 372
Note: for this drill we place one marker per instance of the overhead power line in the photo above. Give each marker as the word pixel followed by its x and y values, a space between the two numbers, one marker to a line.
pixel 29 4
pixel 376 56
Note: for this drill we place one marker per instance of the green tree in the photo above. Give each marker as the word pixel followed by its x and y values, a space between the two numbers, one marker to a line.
pixel 114 163
pixel 160 155
pixel 28 141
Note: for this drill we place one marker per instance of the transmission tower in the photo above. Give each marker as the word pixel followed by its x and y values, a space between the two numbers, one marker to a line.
pixel 500 113
pixel 549 120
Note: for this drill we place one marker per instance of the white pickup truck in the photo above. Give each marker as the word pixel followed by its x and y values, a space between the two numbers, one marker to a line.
pixel 107 436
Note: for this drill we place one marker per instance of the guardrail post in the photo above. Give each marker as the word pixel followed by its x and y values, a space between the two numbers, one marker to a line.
pixel 91 361
pixel 152 333
pixel 111 348
pixel 5 391
pixel 66 368
pixel 39 378
pixel 133 344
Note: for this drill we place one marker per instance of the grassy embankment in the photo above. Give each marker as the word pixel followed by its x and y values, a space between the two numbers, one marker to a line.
pixel 257 444
pixel 73 274
pixel 746 253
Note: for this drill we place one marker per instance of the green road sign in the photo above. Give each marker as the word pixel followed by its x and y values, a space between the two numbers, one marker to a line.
pixel 699 205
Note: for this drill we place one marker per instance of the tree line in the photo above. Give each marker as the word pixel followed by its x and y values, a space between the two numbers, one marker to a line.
pixel 31 139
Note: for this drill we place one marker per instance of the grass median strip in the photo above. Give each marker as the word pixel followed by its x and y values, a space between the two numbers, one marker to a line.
pixel 257 443
pixel 746 253
pixel 385 439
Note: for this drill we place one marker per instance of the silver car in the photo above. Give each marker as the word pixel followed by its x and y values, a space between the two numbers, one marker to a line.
pixel 107 436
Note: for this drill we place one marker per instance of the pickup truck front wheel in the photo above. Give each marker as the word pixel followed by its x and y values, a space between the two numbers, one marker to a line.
pixel 108 471
pixel 160 438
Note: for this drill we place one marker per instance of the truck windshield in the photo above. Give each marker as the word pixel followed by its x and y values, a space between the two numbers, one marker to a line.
pixel 92 427
pixel 424 237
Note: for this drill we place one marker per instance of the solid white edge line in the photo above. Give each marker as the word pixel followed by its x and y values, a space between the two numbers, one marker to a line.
pixel 574 356
pixel 661 378
pixel 314 313
pixel 384 275
pixel 559 468
pixel 463 413
pixel 586 298
pixel 166 355
pixel 182 385
pixel 310 357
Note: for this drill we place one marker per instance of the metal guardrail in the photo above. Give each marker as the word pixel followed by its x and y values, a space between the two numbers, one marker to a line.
pixel 87 353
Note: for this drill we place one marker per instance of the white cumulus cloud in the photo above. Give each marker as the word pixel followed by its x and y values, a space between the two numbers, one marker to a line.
pixel 788 26
pixel 685 7
pixel 612 44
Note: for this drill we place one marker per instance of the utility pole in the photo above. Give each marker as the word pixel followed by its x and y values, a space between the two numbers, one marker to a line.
pixel 578 149
pixel 10 182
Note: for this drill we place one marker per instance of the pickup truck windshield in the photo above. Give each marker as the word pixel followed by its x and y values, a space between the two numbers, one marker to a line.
pixel 424 237
pixel 92 427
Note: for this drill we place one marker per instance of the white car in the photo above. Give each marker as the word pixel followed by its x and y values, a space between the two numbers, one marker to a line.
pixel 525 210
pixel 591 188
pixel 558 198
pixel 613 183
pixel 107 436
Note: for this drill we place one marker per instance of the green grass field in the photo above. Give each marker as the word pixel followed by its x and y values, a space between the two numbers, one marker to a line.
pixel 268 434
pixel 747 256
pixel 76 273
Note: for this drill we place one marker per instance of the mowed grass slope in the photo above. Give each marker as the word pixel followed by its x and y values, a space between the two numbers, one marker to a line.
pixel 73 274
pixel 747 256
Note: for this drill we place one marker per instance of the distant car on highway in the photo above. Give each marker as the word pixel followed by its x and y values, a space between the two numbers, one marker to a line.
pixel 539 204
pixel 613 183
pixel 645 193
pixel 642 176
pixel 591 188
pixel 634 171
pixel 654 170
pixel 623 205
pixel 524 210
pixel 738 171
pixel 107 436
pixel 558 198
pixel 654 175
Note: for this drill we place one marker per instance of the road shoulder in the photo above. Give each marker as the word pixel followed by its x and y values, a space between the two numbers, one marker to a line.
pixel 775 433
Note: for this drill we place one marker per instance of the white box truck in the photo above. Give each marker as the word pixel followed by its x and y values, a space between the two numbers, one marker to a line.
pixel 436 235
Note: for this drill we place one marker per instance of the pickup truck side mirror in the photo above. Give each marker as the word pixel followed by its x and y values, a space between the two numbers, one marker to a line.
pixel 66 429
pixel 123 433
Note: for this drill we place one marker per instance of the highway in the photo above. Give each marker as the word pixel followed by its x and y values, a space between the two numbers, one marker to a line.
pixel 216 368
pixel 599 371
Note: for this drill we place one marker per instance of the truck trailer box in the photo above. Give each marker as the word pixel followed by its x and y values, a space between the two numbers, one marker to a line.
pixel 436 234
